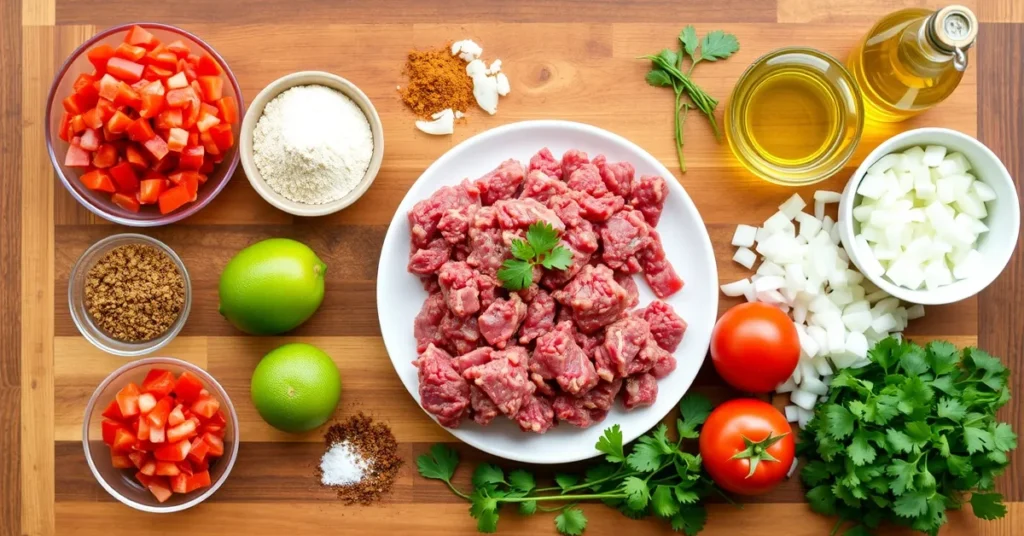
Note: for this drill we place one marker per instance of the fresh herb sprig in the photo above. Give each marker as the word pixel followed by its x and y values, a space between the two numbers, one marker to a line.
pixel 668 72
pixel 653 477
pixel 909 436
pixel 540 248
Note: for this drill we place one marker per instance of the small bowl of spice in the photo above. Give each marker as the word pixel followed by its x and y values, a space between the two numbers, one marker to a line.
pixel 129 294
pixel 311 143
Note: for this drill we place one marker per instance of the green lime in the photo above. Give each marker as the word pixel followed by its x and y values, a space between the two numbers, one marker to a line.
pixel 296 387
pixel 272 286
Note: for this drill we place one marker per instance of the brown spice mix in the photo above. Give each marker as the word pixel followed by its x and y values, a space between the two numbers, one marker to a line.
pixel 374 442
pixel 134 293
pixel 437 80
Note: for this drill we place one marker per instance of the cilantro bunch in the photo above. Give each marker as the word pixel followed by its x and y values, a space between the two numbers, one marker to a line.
pixel 908 437
pixel 667 71
pixel 654 477
pixel 540 248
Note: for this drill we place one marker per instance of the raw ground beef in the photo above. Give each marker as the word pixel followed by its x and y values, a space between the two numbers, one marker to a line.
pixel 567 346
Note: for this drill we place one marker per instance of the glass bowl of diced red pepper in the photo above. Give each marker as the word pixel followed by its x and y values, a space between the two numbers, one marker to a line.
pixel 142 124
pixel 160 435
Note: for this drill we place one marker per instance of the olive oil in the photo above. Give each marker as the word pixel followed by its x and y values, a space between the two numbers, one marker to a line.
pixel 912 60
pixel 794 117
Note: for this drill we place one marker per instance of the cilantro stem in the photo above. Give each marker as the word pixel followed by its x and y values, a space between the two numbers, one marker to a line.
pixel 554 508
pixel 596 496
pixel 456 490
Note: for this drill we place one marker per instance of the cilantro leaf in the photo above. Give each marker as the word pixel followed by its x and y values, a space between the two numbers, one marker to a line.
pixel 988 505
pixel 515 274
pixel 822 500
pixel 560 258
pixel 688 37
pixel 903 476
pixel 637 493
pixel 439 464
pixel 861 452
pixel 978 440
pixel 695 408
pixel 838 421
pixel 542 236
pixel 487 521
pixel 659 438
pixel 949 408
pixel 912 359
pixel 690 519
pixel 919 432
pixel 983 361
pixel 884 353
pixel 942 357
pixel 610 444
pixel 911 504
pixel 571 522
pixel 521 480
pixel 718 45
pixel 645 458
pixel 487 474
pixel 663 502
pixel 669 56
pixel 914 394
pixel 566 480
pixel 815 473
pixel 522 250
pixel 1003 437
pixel 527 508
pixel 686 496
pixel 658 78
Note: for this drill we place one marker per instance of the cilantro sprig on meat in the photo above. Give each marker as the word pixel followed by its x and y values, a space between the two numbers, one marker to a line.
pixel 653 477
pixel 540 248
pixel 908 437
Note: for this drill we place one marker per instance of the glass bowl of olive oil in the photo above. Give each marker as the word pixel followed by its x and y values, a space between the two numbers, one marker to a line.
pixel 795 116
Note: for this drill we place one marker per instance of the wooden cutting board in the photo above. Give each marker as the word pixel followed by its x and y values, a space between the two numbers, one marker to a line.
pixel 567 59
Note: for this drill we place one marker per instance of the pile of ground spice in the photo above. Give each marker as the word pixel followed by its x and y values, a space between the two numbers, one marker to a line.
pixel 437 80
pixel 374 443
pixel 134 293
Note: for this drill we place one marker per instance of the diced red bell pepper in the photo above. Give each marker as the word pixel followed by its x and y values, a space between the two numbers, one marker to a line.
pixel 159 382
pixel 181 97
pixel 84 82
pixel 167 163
pixel 163 58
pixel 99 55
pixel 173 199
pixel 77 157
pixel 199 450
pixel 228 107
pixel 206 407
pixel 212 86
pixel 109 429
pixel 173 452
pixel 64 130
pixel 198 480
pixel 145 479
pixel 90 140
pixel 100 180
pixel 156 147
pixel 187 67
pixel 206 121
pixel 158 417
pixel 121 461
pixel 177 139
pixel 216 444
pixel 209 145
pixel 128 399
pixel 179 483
pixel 108 87
pixel 160 489
pixel 150 190
pixel 126 70
pixel 138 458
pixel 77 124
pixel 179 48
pixel 113 411
pixel 144 445
pixel 93 118
pixel 105 156
pixel 156 73
pixel 177 81
pixel 146 403
pixel 188 387
pixel 185 467
pixel 126 201
pixel 142 429
pixel 136 157
pixel 191 158
pixel 148 468
pixel 141 37
pixel 124 441
pixel 140 131
pixel 168 119
pixel 151 106
pixel 127 182
pixel 157 434
pixel 126 96
pixel 119 122
pixel 177 416
pixel 207 66
pixel 153 88
pixel 129 52
pixel 185 430
pixel 73 104
pixel 167 468
pixel 222 136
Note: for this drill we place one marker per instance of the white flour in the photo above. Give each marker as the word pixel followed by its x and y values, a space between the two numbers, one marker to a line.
pixel 312 144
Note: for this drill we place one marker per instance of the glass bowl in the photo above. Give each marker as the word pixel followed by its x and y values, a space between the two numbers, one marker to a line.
pixel 815 97
pixel 99 203
pixel 76 297
pixel 121 483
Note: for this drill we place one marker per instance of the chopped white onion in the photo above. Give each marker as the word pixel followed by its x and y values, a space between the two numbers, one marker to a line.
pixel 744 236
pixel 792 413
pixel 745 257
pixel 736 288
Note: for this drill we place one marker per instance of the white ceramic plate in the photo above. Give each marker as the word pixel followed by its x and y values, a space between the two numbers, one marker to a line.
pixel 400 295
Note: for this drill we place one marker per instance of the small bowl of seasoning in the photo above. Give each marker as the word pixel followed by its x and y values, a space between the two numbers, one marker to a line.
pixel 311 143
pixel 129 294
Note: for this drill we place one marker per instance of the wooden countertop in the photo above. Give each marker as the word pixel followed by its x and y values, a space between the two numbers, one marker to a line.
pixel 568 59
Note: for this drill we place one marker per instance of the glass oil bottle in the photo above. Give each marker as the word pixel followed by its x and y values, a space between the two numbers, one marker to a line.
pixel 912 60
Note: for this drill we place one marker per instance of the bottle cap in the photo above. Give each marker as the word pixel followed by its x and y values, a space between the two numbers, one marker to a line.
pixel 954 27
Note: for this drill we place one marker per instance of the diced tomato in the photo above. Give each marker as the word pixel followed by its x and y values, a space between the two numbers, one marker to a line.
pixel 113 411
pixel 206 407
pixel 77 123
pixel 119 122
pixel 126 70
pixel 124 440
pixel 179 483
pixel 141 37
pixel 153 88
pixel 200 448
pixel 158 417
pixel 99 55
pixel 173 199
pixel 218 418
pixel 177 139
pixel 185 430
pixel 150 190
pixel 121 461
pixel 167 468
pixel 156 147
pixel 135 156
pixel 145 479
pixel 162 58
pixel 90 140
pixel 140 131
pixel 188 386
pixel 169 118
pixel 108 87
pixel 207 66
pixel 126 201
pixel 159 382
pixel 142 429
pixel 181 97
pixel 161 489
pixel 100 180
pixel 177 416
pixel 126 96
pixel 167 163
pixel 109 430
pixel 173 452
pixel 206 121
pixel 105 156
pixel 228 109
pixel 179 48
pixel 93 118
pixel 129 52
pixel 177 81
pixel 84 81
pixel 187 67
pixel 128 400
pixel 127 182
pixel 216 444
pixel 73 104
pixel 191 158
pixel 148 468
pixel 222 136
pixel 197 481
pixel 212 86
pixel 209 145
pixel 144 445
pixel 151 105
pixel 64 130
pixel 138 458
pixel 156 73
pixel 157 434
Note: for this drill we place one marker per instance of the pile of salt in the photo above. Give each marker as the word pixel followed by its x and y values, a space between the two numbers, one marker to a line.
pixel 341 465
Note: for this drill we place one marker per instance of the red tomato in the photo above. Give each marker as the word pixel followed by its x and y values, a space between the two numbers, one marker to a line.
pixel 99 55
pixel 159 382
pixel 146 403
pixel 167 468
pixel 126 70
pixel 173 452
pixel 127 182
pixel 200 448
pixel 76 157
pixel 109 429
pixel 206 407
pixel 124 441
pixel 228 109
pixel 135 157
pixel 755 347
pixel 217 444
pixel 120 461
pixel 129 52
pixel 157 434
pixel 113 411
pixel 149 190
pixel 185 430
pixel 128 400
pixel 156 147
pixel 105 156
pixel 160 488
pixel 177 416
pixel 158 417
pixel 191 158
pixel 126 201
pixel 90 140
pixel 141 37
pixel 747 446
pixel 188 387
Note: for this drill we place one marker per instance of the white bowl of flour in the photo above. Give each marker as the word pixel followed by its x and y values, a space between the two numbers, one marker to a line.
pixel 311 143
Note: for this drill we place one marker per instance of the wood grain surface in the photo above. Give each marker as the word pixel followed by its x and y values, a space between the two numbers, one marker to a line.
pixel 567 59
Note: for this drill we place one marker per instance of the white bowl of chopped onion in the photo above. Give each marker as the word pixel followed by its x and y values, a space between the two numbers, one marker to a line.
pixel 931 216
